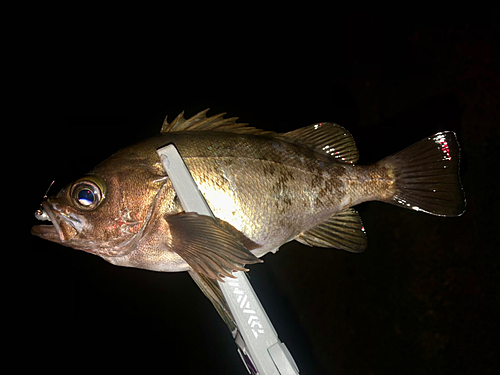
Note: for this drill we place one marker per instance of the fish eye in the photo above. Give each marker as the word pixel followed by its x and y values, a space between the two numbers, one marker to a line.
pixel 87 193
pixel 86 197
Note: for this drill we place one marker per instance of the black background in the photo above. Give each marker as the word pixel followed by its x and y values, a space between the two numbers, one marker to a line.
pixel 423 298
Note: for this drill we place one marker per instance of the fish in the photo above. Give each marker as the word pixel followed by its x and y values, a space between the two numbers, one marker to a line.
pixel 264 188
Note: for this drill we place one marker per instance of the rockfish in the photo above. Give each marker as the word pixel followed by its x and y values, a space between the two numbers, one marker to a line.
pixel 265 189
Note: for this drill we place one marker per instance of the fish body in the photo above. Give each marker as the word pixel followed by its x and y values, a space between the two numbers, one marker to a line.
pixel 264 189
pixel 268 190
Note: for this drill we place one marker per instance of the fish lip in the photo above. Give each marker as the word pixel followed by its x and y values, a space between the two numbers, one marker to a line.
pixel 53 218
pixel 49 231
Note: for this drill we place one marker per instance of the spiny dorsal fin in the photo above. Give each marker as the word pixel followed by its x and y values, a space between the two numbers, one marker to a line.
pixel 326 138
pixel 200 122
pixel 342 231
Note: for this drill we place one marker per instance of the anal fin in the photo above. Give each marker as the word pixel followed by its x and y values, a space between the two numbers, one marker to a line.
pixel 343 231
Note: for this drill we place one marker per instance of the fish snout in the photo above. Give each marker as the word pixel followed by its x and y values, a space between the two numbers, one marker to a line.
pixel 63 227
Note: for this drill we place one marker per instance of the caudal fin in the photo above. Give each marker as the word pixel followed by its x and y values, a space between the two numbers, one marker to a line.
pixel 426 176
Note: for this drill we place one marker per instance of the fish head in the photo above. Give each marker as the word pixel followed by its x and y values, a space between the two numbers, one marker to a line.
pixel 105 212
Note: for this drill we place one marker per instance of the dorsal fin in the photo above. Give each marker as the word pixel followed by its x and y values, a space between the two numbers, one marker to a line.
pixel 200 122
pixel 326 138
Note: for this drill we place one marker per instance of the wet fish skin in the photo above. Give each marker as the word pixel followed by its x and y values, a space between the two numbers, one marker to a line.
pixel 295 186
pixel 265 189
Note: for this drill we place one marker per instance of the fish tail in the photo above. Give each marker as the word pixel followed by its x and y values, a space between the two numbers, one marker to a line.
pixel 426 176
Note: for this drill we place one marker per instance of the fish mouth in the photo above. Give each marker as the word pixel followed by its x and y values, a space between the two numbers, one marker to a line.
pixel 62 228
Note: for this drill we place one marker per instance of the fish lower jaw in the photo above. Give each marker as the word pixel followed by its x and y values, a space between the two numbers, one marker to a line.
pixel 64 226
pixel 47 232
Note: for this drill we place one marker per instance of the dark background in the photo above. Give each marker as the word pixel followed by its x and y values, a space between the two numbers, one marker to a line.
pixel 422 299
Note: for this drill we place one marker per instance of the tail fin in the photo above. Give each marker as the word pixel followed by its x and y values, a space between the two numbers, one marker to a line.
pixel 426 176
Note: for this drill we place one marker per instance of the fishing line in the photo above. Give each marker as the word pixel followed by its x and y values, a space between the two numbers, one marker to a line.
pixel 40 214
pixel 47 192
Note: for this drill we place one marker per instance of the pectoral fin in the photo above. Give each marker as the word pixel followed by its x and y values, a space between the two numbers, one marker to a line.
pixel 343 231
pixel 208 249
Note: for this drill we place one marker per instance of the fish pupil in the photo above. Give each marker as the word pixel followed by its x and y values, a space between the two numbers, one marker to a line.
pixel 86 197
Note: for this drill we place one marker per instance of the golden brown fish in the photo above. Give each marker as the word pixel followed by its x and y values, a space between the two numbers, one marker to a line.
pixel 264 188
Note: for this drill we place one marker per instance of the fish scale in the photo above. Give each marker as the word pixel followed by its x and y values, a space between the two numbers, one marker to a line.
pixel 264 188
